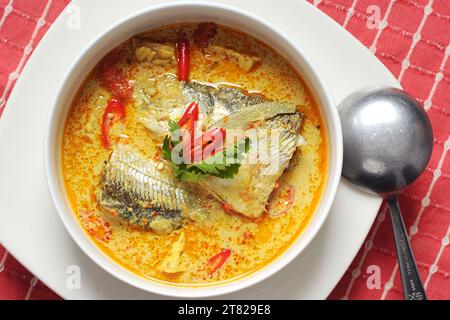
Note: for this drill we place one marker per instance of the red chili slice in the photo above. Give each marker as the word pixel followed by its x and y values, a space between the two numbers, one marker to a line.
pixel 218 260
pixel 187 122
pixel 205 32
pixel 190 113
pixel 183 59
pixel 115 110
pixel 208 144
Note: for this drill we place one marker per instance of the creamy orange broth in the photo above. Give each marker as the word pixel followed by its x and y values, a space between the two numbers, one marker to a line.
pixel 253 244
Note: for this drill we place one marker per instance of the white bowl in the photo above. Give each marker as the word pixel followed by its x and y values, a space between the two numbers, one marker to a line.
pixel 170 13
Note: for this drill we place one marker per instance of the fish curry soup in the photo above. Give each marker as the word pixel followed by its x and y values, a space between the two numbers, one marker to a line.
pixel 175 223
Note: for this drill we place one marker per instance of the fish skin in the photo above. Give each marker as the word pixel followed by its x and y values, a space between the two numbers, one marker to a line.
pixel 215 102
pixel 255 181
pixel 214 98
pixel 136 191
pixel 244 117
pixel 249 190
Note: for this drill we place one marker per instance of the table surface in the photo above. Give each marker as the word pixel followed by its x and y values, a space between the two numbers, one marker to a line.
pixel 412 39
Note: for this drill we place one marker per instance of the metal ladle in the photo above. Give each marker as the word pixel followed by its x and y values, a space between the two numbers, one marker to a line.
pixel 387 144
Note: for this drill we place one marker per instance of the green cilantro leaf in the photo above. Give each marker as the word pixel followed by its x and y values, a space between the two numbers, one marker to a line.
pixel 224 165
pixel 173 126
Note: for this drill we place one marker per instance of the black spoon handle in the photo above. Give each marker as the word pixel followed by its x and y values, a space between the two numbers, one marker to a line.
pixel 412 285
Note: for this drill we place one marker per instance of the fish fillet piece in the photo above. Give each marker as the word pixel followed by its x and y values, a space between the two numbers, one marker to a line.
pixel 249 190
pixel 133 189
pixel 233 108
pixel 219 101
pixel 165 98
pixel 242 118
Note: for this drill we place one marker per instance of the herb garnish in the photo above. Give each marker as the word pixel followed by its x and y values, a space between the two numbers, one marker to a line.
pixel 224 164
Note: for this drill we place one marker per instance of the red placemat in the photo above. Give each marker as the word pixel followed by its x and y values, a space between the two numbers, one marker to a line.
pixel 412 38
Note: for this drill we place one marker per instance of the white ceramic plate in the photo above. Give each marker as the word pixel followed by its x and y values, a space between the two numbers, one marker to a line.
pixel 30 228
pixel 142 21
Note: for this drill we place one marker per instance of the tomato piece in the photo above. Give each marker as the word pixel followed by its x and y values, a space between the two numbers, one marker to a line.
pixel 111 58
pixel 115 110
pixel 121 90
pixel 183 57
pixel 96 225
pixel 113 79
pixel 204 32
pixel 108 75
pixel 216 262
